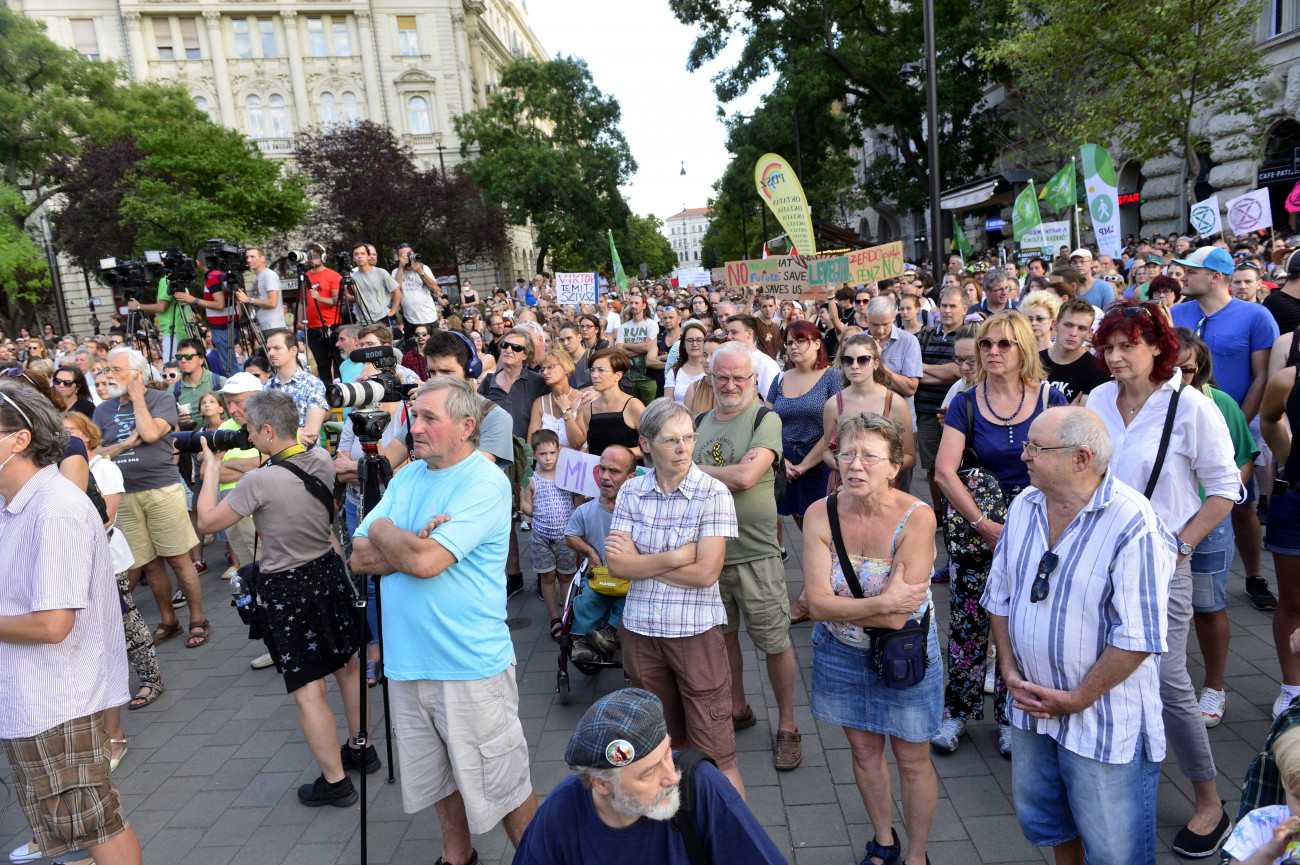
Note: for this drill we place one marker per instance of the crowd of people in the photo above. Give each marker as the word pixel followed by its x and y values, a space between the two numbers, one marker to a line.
pixel 1100 437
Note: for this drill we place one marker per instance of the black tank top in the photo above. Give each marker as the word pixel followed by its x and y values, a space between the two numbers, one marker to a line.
pixel 1293 417
pixel 608 428
pixel 1293 353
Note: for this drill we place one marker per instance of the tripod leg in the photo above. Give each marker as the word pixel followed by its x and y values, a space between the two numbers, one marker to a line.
pixel 388 723
pixel 363 735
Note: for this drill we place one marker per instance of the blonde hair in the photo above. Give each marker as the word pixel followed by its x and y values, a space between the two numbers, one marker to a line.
pixel 1048 300
pixel 561 357
pixel 1015 327
pixel 1286 753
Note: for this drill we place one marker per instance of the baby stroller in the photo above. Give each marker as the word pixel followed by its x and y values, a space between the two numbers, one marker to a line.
pixel 590 666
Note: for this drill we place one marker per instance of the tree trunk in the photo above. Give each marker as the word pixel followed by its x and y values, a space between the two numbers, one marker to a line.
pixel 541 258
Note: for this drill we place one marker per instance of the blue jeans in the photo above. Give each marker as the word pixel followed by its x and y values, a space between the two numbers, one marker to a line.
pixel 1211 562
pixel 1060 796
pixel 221 345
pixel 590 606
pixel 372 608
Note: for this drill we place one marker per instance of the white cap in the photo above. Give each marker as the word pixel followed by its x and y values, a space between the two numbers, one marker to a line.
pixel 242 382
pixel 1082 253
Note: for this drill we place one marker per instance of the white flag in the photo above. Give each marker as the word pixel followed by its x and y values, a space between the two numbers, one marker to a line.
pixel 1250 212
pixel 1205 217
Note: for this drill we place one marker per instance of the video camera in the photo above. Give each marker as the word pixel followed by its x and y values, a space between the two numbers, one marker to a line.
pixel 130 277
pixel 226 257
pixel 380 388
pixel 218 440
pixel 177 266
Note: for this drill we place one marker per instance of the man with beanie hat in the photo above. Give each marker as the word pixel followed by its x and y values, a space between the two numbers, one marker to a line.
pixel 618 804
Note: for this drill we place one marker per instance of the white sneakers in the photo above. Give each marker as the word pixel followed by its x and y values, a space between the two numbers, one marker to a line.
pixel 949 732
pixel 1213 704
pixel 261 662
pixel 1282 702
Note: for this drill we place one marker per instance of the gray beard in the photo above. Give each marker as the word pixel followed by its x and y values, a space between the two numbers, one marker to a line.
pixel 115 390
pixel 663 807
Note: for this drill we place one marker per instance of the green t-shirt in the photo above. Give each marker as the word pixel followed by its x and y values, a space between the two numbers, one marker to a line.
pixel 236 454
pixel 1244 448
pixel 171 322
pixel 725 443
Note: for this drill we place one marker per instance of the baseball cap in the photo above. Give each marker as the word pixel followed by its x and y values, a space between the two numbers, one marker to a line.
pixel 1155 259
pixel 1209 258
pixel 1292 263
pixel 619 728
pixel 242 382
pixel 1082 253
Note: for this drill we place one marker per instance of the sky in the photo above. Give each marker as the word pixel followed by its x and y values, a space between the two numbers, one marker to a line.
pixel 637 53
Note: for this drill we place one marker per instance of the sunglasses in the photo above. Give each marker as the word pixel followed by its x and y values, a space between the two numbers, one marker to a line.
pixel 1046 565
pixel 189 356
pixel 513 346
pixel 855 359
pixel 64 382
pixel 171 375
pixel 1003 345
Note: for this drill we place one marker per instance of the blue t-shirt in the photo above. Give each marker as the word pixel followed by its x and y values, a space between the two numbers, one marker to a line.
pixel 1232 334
pixel 590 522
pixel 1099 293
pixel 998 451
pixel 567 830
pixel 451 627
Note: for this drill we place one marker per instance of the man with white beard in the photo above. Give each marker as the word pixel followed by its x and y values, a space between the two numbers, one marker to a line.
pixel 626 788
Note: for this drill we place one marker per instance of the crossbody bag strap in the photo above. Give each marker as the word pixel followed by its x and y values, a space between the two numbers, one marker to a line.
pixel 314 485
pixel 846 563
pixel 1164 443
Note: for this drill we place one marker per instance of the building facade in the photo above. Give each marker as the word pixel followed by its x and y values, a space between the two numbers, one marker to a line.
pixel 685 231
pixel 271 70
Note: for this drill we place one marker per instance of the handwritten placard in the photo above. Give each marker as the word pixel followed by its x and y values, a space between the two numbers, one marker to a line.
pixel 576 472
pixel 807 277
pixel 572 289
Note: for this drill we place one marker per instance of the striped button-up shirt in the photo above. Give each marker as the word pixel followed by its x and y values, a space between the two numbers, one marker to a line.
pixel 700 507
pixel 54 555
pixel 1110 588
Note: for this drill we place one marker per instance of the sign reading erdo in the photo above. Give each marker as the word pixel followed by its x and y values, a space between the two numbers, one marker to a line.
pixel 808 277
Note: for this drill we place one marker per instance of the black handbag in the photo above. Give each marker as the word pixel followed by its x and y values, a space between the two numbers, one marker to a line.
pixel 899 656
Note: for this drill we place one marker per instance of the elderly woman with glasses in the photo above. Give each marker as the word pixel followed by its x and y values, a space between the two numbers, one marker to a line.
pixel 1170 441
pixel 1010 391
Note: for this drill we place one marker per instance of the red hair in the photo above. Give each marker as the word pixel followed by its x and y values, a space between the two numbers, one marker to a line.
pixel 804 329
pixel 1154 329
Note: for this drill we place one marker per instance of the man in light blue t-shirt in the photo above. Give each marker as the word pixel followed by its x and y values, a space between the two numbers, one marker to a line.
pixel 447 650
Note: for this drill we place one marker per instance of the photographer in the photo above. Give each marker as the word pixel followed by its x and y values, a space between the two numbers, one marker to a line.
pixel 322 312
pixel 214 303
pixel 374 336
pixel 303 596
pixel 420 292
pixel 265 296
pixel 378 294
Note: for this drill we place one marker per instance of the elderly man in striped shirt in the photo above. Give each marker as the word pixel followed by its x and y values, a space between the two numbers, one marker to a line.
pixel 1077 596
pixel 668 536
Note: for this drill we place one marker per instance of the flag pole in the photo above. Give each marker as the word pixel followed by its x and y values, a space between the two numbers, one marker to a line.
pixel 1074 207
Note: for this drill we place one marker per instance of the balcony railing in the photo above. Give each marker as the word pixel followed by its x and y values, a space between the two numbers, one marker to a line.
pixel 275 146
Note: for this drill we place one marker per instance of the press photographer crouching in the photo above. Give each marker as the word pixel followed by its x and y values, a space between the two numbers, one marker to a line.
pixel 303 600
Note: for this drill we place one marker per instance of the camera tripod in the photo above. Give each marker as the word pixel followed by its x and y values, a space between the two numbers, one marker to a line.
pixel 373 474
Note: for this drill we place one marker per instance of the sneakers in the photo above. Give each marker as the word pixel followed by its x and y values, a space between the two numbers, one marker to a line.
pixel 322 792
pixel 1004 741
pixel 1282 703
pixel 949 732
pixel 784 554
pixel 514 585
pixel 1261 597
pixel 178 599
pixel 261 662
pixel 991 670
pixel 29 852
pixel 604 640
pixel 525 526
pixel 1212 705
pixel 942 575
pixel 581 653
pixel 353 762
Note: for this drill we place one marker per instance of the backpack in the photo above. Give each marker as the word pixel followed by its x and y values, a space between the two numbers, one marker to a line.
pixel 779 480
pixel 684 820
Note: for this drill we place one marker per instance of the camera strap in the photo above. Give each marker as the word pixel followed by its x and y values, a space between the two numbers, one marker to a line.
pixel 314 485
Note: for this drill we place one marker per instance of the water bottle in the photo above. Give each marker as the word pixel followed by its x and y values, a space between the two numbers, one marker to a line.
pixel 242 596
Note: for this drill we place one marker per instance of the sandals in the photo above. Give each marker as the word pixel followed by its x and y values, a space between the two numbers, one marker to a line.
pixel 204 629
pixel 163 633
pixel 557 628
pixel 139 702
pixel 887 855
pixel 113 762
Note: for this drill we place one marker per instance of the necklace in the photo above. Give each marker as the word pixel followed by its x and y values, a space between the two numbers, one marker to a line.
pixel 1006 420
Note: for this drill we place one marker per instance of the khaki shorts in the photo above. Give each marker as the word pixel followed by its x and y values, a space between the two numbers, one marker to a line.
pixel 156 523
pixel 758 590
pixel 61 779
pixel 466 737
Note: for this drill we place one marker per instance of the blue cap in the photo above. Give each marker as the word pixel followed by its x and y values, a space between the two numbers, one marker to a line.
pixel 619 728
pixel 1210 258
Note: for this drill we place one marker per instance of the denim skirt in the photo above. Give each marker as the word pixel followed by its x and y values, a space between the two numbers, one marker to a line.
pixel 846 691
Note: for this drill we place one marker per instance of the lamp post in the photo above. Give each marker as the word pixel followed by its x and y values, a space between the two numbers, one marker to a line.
pixel 442 178
pixel 932 120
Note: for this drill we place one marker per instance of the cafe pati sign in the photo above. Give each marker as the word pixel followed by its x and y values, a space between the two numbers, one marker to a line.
pixel 811 277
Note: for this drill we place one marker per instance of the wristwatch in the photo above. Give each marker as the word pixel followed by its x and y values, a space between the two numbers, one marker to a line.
pixel 1184 548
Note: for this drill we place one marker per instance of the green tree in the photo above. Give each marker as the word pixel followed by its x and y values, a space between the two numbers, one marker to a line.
pixel 24 271
pixel 1148 71
pixel 550 151
pixel 643 243
pixel 861 45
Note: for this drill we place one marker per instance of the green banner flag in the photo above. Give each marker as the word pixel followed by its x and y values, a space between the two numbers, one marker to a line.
pixel 620 278
pixel 1060 191
pixel 1024 216
pixel 960 242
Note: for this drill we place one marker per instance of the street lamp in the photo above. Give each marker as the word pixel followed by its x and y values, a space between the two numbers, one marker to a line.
pixel 909 73
pixel 442 176
pixel 437 141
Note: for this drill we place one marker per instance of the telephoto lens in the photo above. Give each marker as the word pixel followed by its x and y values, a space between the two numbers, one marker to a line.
pixel 350 394
pixel 218 440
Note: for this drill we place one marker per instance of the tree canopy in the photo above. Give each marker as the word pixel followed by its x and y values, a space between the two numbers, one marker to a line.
pixel 549 151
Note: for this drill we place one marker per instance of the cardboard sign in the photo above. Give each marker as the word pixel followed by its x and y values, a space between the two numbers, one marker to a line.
pixel 572 289
pixel 576 472
pixel 807 277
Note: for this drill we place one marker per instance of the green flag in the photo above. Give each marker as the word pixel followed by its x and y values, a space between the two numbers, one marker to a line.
pixel 620 278
pixel 1060 192
pixel 960 242
pixel 1024 216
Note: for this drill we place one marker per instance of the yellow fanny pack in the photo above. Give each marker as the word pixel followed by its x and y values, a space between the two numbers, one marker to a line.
pixel 602 582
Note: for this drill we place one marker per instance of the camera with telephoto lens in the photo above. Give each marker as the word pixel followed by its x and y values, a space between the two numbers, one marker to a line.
pixel 301 259
pixel 380 388
pixel 218 440
pixel 413 257
pixel 227 257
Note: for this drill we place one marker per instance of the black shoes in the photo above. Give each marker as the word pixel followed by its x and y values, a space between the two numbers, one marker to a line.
pixel 1189 845
pixel 322 792
pixel 514 585
pixel 353 761
pixel 1261 597
pixel 604 640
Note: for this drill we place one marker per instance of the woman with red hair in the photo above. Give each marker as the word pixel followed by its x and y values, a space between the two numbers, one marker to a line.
pixel 1138 346
pixel 798 397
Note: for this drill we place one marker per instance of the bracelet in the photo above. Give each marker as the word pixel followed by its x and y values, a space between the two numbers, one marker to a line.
pixel 977 522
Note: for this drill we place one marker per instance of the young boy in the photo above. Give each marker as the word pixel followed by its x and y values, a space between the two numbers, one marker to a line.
pixel 1266 834
pixel 550 508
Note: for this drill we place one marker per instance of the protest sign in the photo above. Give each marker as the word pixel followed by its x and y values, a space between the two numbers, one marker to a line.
pixel 779 188
pixel 1250 212
pixel 697 276
pixel 572 289
pixel 1205 217
pixel 1048 236
pixel 576 472
pixel 1103 200
pixel 808 277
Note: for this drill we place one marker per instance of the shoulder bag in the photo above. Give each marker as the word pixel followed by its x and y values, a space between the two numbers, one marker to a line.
pixel 962 537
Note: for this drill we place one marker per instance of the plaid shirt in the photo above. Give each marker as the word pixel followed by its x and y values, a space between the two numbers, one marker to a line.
pixel 307 392
pixel 700 507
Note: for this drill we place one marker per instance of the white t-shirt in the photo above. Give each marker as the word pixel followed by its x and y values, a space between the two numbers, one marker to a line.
pixel 957 387
pixel 108 477
pixel 418 303
pixel 768 370
pixel 632 332
pixel 612 322
pixel 266 282
pixel 680 381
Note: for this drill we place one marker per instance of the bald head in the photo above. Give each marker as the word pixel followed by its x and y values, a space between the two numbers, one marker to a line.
pixel 1071 432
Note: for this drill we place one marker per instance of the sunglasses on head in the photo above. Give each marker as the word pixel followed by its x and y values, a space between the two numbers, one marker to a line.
pixel 1131 311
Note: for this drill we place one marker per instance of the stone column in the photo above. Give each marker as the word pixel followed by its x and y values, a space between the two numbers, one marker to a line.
pixel 220 70
pixel 301 98
pixel 135 45
pixel 374 96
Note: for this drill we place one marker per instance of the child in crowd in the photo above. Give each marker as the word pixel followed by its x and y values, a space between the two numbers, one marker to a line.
pixel 1271 834
pixel 550 508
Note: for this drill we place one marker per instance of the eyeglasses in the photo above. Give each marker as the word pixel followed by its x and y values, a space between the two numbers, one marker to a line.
pixel 964 361
pixel 1046 565
pixel 737 380
pixel 1040 318
pixel 1190 370
pixel 1033 450
pixel 188 356
pixel 855 359
pixel 863 301
pixel 846 459
pixel 1004 345
pixel 513 346
pixel 65 382
pixel 115 342
pixel 677 441
pixel 797 343
pixel 694 340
